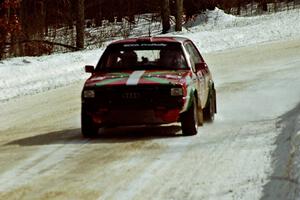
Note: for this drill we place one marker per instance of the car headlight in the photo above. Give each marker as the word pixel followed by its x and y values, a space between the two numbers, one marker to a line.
pixel 89 94
pixel 176 92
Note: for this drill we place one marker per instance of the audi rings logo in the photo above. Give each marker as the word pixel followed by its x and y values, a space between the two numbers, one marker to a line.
pixel 131 95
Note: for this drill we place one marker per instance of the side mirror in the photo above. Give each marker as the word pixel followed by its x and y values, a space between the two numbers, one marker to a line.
pixel 89 69
pixel 200 66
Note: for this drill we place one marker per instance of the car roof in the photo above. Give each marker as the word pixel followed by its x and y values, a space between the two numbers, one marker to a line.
pixel 166 39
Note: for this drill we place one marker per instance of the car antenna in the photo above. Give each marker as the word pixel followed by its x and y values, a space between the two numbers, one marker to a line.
pixel 149 27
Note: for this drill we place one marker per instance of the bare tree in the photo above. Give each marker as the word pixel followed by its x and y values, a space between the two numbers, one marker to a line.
pixel 178 16
pixel 80 24
pixel 165 15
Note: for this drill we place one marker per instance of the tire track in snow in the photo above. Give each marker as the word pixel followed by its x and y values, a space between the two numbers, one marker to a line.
pixel 284 181
pixel 38 164
pixel 164 161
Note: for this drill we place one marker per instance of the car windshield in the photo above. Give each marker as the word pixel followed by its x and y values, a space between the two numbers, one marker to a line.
pixel 143 56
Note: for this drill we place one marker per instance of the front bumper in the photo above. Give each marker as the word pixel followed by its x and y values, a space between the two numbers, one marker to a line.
pixel 133 106
pixel 105 117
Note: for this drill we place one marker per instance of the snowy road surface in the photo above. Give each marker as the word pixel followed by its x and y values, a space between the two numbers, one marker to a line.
pixel 43 156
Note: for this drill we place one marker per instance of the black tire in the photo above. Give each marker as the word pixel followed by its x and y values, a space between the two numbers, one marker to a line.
pixel 210 108
pixel 88 127
pixel 189 120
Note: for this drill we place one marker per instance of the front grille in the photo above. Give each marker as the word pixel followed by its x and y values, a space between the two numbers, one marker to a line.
pixel 136 96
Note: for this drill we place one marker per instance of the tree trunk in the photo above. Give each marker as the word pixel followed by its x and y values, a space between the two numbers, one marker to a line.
pixel 239 8
pixel 165 15
pixel 80 24
pixel 98 19
pixel 179 11
pixel 275 6
pixel 264 6
pixel 131 11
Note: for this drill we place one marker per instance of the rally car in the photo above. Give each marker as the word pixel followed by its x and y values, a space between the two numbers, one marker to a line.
pixel 145 81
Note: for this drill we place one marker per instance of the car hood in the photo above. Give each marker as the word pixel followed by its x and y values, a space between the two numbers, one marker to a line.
pixel 140 77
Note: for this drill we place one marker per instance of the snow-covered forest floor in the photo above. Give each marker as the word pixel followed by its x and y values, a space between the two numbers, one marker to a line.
pixel 30 75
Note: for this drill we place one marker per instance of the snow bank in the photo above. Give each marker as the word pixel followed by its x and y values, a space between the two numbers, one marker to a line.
pixel 29 75
pixel 219 31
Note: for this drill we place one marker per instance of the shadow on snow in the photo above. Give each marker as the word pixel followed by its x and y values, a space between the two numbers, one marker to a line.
pixel 106 135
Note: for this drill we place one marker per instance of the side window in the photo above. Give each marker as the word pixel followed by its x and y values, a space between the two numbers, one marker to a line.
pixel 194 53
pixel 190 52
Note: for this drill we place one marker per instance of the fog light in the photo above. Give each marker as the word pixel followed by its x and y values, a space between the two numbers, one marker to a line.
pixel 89 94
pixel 176 92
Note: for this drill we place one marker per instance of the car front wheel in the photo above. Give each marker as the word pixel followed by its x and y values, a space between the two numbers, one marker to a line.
pixel 88 127
pixel 210 108
pixel 189 120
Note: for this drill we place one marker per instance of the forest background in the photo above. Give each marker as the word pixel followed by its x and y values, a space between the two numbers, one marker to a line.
pixel 37 27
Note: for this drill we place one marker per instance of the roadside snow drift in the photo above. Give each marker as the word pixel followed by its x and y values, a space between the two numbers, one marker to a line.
pixel 30 75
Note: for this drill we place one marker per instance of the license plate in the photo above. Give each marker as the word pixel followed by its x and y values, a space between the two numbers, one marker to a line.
pixel 131 95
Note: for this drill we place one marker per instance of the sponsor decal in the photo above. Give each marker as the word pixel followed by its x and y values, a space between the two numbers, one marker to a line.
pixel 146 45
pixel 110 81
pixel 158 80
pixel 135 77
pixel 141 77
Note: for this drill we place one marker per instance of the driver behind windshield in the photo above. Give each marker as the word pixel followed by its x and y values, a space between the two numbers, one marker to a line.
pixel 143 58
pixel 172 58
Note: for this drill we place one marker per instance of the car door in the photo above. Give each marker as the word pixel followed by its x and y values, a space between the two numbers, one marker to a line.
pixel 201 70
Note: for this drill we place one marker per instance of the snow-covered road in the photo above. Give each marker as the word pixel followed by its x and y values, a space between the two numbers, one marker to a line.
pixel 43 156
